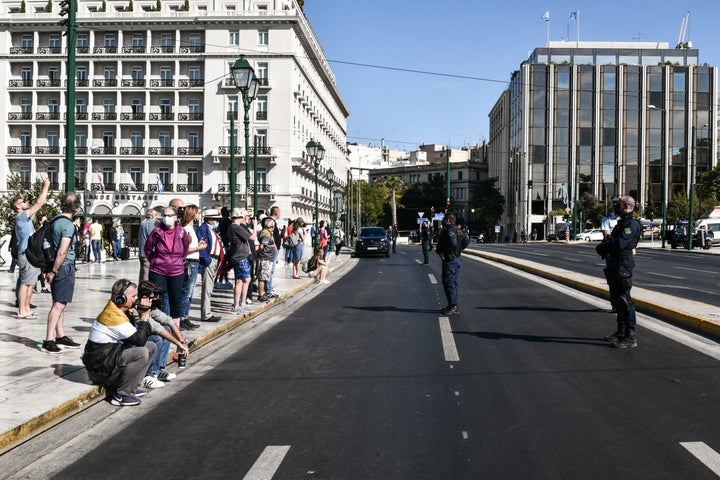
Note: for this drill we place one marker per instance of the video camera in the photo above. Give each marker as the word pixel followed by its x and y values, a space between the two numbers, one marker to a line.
pixel 149 292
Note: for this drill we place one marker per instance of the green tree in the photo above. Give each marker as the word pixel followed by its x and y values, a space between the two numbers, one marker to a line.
pixel 488 202
pixel 48 7
pixel 592 211
pixel 394 186
pixel 301 4
pixel 421 197
pixel 22 7
pixel 17 188
pixel 131 7
pixel 679 208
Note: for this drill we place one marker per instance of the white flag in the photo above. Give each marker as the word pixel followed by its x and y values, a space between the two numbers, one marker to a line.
pixel 159 184
pixel 132 182
pixel 546 16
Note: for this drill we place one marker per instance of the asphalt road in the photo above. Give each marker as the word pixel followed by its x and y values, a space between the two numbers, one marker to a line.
pixel 694 276
pixel 366 381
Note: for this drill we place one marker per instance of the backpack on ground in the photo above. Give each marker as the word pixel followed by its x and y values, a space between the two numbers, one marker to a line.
pixel 40 251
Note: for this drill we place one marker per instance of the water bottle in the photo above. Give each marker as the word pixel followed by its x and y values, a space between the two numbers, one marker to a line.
pixel 45 244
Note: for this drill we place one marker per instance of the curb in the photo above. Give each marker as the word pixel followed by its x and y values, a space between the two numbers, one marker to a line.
pixel 692 321
pixel 35 426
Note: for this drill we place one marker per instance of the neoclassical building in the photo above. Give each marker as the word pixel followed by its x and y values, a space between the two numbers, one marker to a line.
pixel 606 118
pixel 154 99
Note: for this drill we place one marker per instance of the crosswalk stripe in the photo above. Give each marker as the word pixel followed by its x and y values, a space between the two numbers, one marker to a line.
pixel 709 457
pixel 267 463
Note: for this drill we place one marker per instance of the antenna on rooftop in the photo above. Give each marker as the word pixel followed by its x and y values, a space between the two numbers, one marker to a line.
pixel 683 29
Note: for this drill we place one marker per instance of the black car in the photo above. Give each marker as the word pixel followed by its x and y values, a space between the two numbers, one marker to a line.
pixel 372 241
pixel 678 236
pixel 559 235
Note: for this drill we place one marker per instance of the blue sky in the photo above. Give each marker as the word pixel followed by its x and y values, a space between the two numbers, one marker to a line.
pixel 483 40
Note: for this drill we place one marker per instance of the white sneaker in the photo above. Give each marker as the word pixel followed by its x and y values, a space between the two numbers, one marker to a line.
pixel 164 376
pixel 152 382
pixel 324 282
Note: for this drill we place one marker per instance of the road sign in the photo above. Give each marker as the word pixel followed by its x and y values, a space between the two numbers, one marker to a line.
pixel 421 220
pixel 421 214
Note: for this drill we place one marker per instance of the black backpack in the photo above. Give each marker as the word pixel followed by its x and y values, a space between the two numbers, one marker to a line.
pixel 13 246
pixel 40 250
pixel 463 240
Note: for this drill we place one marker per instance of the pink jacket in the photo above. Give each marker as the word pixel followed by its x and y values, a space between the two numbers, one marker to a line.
pixel 166 250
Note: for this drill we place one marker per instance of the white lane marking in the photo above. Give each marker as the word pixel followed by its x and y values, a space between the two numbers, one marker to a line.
pixel 665 275
pixel 432 278
pixel 695 270
pixel 709 457
pixel 417 261
pixel 465 435
pixel 539 254
pixel 267 463
pixel 448 343
pixel 574 260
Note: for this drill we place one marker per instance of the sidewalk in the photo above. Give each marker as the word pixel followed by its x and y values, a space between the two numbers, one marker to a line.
pixel 38 389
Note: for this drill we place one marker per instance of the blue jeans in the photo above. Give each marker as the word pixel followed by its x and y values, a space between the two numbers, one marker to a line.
pixel 188 288
pixel 163 349
pixel 450 272
pixel 96 249
pixel 117 248
pixel 268 284
pixel 426 246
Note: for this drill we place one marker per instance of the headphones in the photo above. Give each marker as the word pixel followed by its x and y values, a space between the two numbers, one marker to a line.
pixel 120 298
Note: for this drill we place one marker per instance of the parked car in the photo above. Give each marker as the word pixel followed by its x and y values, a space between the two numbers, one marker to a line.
pixel 372 241
pixel 557 235
pixel 594 235
pixel 678 236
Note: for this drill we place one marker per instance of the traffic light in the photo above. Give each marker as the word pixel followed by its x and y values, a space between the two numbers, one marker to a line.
pixel 65 10
pixel 530 184
pixel 449 203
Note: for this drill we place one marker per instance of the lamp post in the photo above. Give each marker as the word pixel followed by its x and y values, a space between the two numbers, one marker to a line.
pixel 245 80
pixel 331 178
pixel 316 152
pixel 664 173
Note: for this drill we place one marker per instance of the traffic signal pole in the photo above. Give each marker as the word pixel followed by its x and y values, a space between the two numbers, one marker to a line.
pixel 69 8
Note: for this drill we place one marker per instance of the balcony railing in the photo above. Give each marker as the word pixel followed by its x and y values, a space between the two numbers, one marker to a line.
pixel 105 116
pixel 190 116
pixel 225 150
pixel 262 188
pixel 47 150
pixel 225 188
pixel 46 50
pixel 188 187
pixel 20 116
pixel 163 82
pixel 82 82
pixel 78 115
pixel 132 150
pixel 107 82
pixel 193 49
pixel 160 150
pixel 126 187
pixel 21 50
pixel 260 115
pixel 162 49
pixel 162 116
pixel 14 150
pixel 134 49
pixel 103 150
pixel 47 116
pixel 26 82
pixel 233 115
pixel 97 187
pixel 49 82
pixel 112 49
pixel 195 82
pixel 78 150
pixel 229 82
pixel 83 49
pixel 133 83
pixel 189 151
pixel 263 82
pixel 132 116
pixel 153 187
pixel 261 150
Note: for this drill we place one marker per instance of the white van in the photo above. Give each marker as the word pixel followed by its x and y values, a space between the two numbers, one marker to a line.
pixel 712 224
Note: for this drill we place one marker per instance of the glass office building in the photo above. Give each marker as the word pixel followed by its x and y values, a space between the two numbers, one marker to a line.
pixel 605 119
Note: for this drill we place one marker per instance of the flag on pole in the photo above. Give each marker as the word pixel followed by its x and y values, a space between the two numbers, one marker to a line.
pixel 102 185
pixel 159 184
pixel 546 16
pixel 574 15
pixel 131 182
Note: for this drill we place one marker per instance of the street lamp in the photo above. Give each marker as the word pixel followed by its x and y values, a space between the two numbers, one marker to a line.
pixel 333 207
pixel 664 173
pixel 247 82
pixel 316 152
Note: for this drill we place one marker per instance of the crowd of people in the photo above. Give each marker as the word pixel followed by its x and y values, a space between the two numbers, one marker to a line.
pixel 130 340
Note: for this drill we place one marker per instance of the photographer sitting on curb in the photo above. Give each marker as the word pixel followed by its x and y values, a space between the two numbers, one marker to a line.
pixel 117 353
pixel 164 332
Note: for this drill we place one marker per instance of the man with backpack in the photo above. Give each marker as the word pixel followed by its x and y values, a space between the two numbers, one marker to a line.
pixel 450 245
pixel 23 229
pixel 61 277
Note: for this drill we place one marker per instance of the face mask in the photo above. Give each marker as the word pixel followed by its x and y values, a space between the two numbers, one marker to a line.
pixel 169 221
pixel 213 225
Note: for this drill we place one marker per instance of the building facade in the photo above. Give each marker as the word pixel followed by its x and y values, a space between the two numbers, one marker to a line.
pixel 605 119
pixel 154 101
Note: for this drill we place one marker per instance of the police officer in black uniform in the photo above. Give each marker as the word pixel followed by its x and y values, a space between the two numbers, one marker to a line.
pixel 619 248
pixel 448 248
pixel 426 241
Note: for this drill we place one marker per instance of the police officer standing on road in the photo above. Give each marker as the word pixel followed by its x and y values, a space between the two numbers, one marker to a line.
pixel 618 248
pixel 448 248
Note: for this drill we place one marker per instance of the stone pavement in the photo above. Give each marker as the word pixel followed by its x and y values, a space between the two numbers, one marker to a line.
pixel 38 389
